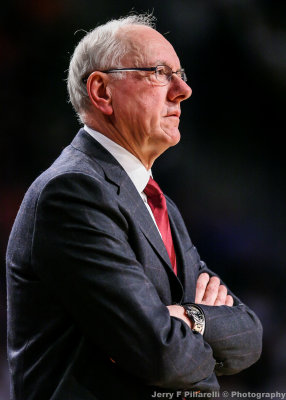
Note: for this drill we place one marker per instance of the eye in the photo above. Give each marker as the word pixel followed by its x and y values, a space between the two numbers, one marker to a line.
pixel 161 70
pixel 163 73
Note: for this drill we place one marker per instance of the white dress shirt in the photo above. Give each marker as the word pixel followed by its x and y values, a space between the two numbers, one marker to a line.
pixel 134 168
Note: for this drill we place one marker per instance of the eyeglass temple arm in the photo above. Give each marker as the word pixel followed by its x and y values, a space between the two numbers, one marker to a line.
pixel 130 69
pixel 108 71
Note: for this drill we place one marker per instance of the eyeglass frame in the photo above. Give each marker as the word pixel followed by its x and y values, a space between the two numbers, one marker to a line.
pixel 114 70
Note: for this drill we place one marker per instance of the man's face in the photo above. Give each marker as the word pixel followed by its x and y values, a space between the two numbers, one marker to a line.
pixel 146 112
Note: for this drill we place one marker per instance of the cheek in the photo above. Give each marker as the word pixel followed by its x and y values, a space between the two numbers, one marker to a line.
pixel 148 112
pixel 141 108
pixel 155 109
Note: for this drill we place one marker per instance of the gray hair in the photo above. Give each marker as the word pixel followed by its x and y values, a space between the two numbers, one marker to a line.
pixel 99 49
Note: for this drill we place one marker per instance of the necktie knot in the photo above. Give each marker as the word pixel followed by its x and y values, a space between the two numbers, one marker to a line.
pixel 152 189
pixel 155 195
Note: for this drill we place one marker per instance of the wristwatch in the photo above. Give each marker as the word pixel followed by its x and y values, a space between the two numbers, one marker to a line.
pixel 197 317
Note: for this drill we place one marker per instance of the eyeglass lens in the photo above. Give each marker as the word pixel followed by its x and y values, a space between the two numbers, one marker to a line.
pixel 165 73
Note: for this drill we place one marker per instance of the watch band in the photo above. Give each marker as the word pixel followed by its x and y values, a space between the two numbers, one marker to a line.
pixel 197 317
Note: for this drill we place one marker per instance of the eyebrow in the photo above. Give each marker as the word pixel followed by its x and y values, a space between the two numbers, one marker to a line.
pixel 160 62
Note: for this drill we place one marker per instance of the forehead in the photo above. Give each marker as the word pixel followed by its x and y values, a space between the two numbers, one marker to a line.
pixel 149 46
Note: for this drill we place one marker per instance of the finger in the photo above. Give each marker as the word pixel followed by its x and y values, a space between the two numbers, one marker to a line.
pixel 229 300
pixel 202 282
pixel 211 291
pixel 221 296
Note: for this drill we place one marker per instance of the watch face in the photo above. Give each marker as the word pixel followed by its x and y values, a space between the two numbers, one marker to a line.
pixel 198 316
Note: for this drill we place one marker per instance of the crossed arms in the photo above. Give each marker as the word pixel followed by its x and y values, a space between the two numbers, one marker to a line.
pixel 209 291
pixel 90 266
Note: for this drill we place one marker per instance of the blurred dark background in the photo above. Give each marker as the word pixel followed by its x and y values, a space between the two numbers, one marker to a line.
pixel 227 175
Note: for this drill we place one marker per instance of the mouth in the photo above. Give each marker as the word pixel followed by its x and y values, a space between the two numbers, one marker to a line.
pixel 175 113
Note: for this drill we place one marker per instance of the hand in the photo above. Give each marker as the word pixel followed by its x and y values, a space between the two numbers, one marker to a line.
pixel 179 312
pixel 210 292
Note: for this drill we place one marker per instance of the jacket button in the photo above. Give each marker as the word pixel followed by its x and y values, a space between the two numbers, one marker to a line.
pixel 219 364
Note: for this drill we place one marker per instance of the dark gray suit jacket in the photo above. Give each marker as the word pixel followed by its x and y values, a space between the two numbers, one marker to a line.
pixel 88 281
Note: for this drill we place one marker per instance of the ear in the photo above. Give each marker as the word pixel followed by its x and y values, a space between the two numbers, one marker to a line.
pixel 99 93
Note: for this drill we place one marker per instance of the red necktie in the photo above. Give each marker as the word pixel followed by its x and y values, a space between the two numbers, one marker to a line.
pixel 157 203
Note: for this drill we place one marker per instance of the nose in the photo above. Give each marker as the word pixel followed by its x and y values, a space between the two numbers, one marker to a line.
pixel 178 90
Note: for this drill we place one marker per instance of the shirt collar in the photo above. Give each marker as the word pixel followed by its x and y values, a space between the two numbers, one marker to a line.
pixel 131 164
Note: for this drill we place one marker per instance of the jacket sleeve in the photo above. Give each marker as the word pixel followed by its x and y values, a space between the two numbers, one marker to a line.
pixel 82 254
pixel 234 333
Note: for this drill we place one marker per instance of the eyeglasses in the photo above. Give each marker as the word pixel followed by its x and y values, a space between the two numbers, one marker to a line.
pixel 163 73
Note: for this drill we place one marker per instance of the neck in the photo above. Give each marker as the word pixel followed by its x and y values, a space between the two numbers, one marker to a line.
pixel 144 151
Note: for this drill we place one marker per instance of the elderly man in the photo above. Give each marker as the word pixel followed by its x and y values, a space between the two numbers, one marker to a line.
pixel 108 297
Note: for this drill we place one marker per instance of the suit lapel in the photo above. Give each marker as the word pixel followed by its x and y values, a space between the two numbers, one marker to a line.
pixel 132 199
pixel 186 262
pixel 178 249
pixel 129 195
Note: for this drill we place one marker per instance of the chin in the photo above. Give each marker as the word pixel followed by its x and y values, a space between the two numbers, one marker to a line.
pixel 173 136
pixel 165 138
